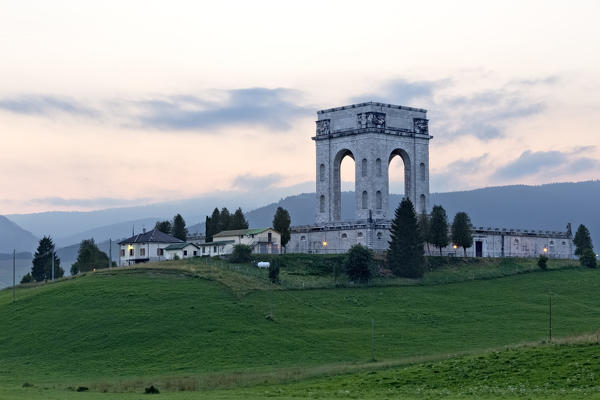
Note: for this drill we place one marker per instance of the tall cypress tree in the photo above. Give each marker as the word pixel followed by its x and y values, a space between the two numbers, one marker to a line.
pixel 211 224
pixel 582 240
pixel 438 232
pixel 405 254
pixel 42 261
pixel 179 230
pixel 281 223
pixel 461 231
pixel 224 220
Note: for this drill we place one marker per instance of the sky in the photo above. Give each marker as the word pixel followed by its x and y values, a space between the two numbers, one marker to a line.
pixel 113 103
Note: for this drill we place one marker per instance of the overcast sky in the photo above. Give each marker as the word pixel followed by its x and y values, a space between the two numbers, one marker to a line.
pixel 114 103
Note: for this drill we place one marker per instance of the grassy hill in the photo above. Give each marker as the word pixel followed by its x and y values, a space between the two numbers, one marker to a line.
pixel 199 324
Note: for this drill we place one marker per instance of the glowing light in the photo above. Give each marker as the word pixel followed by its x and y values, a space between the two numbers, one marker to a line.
pixel 545 249
pixel 454 246
pixel 324 243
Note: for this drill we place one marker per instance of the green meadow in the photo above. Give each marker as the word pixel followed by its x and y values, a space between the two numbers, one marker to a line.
pixel 207 329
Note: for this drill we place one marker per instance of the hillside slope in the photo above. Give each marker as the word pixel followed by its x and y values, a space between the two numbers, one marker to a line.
pixel 12 236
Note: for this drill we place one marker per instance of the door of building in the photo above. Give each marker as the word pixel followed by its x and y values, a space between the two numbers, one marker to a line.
pixel 478 248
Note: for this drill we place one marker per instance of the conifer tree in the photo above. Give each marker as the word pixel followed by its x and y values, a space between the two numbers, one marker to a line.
pixel 281 223
pixel 90 257
pixel 582 240
pixel 211 224
pixel 405 254
pixel 163 226
pixel 438 231
pixel 179 230
pixel 224 220
pixel 238 220
pixel 42 261
pixel 461 231
pixel 424 225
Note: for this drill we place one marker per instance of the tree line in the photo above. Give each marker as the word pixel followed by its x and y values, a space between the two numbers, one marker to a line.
pixel 224 221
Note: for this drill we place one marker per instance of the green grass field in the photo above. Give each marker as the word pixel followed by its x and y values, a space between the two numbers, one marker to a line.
pixel 206 329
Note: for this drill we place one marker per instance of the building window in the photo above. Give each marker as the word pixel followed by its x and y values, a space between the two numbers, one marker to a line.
pixel 185 252
pixel 203 250
pixel 344 236
pixel 214 249
pixel 322 204
pixel 423 202
pixel 378 200
pixel 160 252
pixel 359 234
pixel 122 252
pixel 131 252
pixel 195 253
pixel 142 252
pixel 322 172
pixel 302 237
pixel 422 171
pixel 378 167
pixel 379 235
pixel 364 167
pixel 365 200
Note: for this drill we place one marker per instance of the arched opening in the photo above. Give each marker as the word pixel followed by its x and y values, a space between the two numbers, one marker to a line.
pixel 365 200
pixel 322 203
pixel 344 176
pixel 399 173
pixel 378 200
pixel 378 167
pixel 364 168
pixel 422 202
pixel 322 172
pixel 422 171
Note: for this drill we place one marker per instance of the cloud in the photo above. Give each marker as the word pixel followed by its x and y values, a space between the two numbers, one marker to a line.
pixel 403 92
pixel 485 114
pixel 549 162
pixel 253 182
pixel 457 173
pixel 270 108
pixel 47 106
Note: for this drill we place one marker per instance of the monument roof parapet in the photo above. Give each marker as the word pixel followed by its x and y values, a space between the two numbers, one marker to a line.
pixel 372 103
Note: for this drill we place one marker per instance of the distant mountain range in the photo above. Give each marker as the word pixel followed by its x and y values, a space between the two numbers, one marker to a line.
pixel 546 207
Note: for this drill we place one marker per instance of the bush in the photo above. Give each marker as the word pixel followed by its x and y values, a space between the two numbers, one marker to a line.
pixel 274 270
pixel 27 278
pixel 151 390
pixel 242 253
pixel 542 262
pixel 359 264
pixel 588 258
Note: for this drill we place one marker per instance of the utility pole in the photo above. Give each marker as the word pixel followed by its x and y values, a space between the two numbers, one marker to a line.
pixel 109 252
pixel 550 315
pixel 52 255
pixel 14 262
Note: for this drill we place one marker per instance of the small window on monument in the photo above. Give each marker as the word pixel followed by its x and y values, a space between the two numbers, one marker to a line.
pixel 344 236
pixel 302 237
pixel 379 235
pixel 359 234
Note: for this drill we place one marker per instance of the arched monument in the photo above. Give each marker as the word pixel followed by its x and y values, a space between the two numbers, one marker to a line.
pixel 372 134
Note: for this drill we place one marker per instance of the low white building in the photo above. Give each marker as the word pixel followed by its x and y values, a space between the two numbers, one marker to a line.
pixel 262 240
pixel 216 248
pixel 145 247
pixel 181 250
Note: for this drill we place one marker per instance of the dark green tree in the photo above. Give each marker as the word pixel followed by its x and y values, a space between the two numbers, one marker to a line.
pixel 163 226
pixel 588 258
pixel 281 223
pixel 211 224
pixel 438 231
pixel 424 227
pixel 462 236
pixel 179 230
pixel 405 254
pixel 274 267
pixel 42 261
pixel 242 253
pixel 582 240
pixel 224 220
pixel 89 258
pixel 542 262
pixel 27 278
pixel 238 220
pixel 359 264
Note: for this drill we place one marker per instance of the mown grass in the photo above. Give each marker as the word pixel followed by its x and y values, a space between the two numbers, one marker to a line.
pixel 197 326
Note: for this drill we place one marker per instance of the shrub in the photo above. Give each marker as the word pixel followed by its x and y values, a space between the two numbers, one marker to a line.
pixel 151 390
pixel 274 270
pixel 27 278
pixel 242 253
pixel 82 389
pixel 542 262
pixel 359 263
pixel 588 258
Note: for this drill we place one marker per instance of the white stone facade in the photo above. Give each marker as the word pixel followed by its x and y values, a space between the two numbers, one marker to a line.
pixel 372 134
